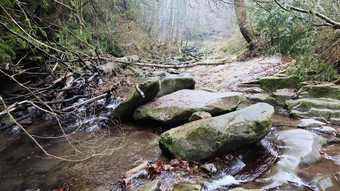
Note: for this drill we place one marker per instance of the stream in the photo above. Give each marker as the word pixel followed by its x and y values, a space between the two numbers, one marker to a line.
pixel 117 148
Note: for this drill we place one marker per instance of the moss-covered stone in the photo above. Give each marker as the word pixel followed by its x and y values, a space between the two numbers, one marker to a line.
pixel 306 104
pixel 321 90
pixel 180 105
pixel 187 187
pixel 207 138
pixel 273 83
pixel 170 85
pixel 125 110
pixel 199 115
pixel 325 113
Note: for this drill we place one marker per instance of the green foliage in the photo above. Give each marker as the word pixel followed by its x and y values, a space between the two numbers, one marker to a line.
pixel 293 34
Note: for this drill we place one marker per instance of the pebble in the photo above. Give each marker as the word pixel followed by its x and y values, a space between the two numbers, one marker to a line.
pixel 15 130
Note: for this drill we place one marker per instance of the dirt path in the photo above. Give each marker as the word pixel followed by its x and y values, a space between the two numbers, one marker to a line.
pixel 227 77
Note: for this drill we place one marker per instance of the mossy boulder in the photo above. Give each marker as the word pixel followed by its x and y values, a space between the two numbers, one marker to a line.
pixel 208 138
pixel 125 110
pixel 272 83
pixel 187 187
pixel 199 115
pixel 170 85
pixel 321 90
pixel 180 105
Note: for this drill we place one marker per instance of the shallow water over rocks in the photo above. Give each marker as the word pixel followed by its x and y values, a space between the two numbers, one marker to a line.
pixel 23 165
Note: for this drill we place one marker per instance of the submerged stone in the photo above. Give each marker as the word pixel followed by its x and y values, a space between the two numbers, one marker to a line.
pixel 180 105
pixel 170 85
pixel 125 109
pixel 208 138
pixel 272 83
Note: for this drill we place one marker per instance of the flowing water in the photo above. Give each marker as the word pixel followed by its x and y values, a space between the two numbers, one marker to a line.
pixel 116 149
pixel 24 166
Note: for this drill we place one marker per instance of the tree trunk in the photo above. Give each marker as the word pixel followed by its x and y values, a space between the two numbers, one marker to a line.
pixel 241 15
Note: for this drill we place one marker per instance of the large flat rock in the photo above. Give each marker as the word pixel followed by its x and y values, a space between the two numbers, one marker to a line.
pixel 180 105
pixel 208 138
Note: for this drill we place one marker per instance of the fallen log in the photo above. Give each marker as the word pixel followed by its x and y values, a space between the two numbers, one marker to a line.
pixel 165 66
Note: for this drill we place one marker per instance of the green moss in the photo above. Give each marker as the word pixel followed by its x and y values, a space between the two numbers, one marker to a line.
pixel 125 110
pixel 273 83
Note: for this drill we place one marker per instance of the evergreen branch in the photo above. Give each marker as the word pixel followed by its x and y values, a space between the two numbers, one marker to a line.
pixel 335 25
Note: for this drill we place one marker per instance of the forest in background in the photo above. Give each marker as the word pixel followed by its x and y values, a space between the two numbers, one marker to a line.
pixel 37 34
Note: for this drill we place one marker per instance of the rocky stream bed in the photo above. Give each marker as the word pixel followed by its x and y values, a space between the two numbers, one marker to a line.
pixel 285 136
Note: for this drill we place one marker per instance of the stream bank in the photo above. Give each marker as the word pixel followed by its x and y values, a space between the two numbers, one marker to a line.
pixel 23 165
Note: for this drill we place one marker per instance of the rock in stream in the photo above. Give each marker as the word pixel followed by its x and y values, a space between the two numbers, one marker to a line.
pixel 180 105
pixel 207 138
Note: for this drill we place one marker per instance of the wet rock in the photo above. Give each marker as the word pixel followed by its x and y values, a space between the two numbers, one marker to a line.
pixel 187 187
pixel 282 95
pixel 253 90
pixel 49 117
pixel 303 146
pixel 327 182
pixel 15 130
pixel 300 148
pixel 261 98
pixel 306 123
pixel 327 130
pixel 180 105
pixel 199 115
pixel 208 138
pixel 242 189
pixel 321 90
pixel 210 168
pixel 275 82
pixel 170 85
pixel 125 109
pixel 151 186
